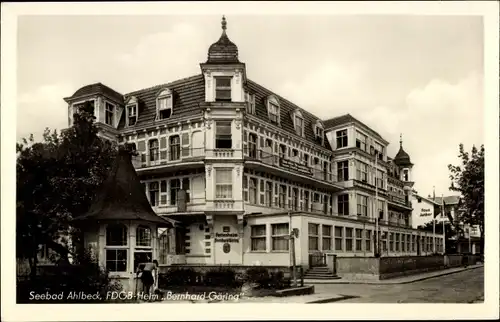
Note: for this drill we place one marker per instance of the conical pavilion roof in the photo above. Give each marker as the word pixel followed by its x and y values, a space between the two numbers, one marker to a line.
pixel 402 158
pixel 122 196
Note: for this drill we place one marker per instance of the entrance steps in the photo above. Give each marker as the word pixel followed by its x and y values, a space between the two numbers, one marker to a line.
pixel 320 273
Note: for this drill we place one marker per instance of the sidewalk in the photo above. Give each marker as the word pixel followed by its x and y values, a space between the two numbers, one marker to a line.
pixel 397 280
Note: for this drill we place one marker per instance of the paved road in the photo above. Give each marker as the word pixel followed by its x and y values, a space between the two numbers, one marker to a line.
pixel 462 287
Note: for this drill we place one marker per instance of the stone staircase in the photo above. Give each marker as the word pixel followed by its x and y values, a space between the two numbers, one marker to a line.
pixel 320 273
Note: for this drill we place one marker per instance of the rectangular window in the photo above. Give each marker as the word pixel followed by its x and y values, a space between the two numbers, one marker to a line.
pixel 295 198
pixel 253 191
pixel 361 141
pixel 338 238
pixel 348 239
pixel 359 239
pixel 362 205
pixel 299 125
pixel 380 179
pixel 313 230
pixel 279 236
pixel 223 89
pixel 343 205
pixel 282 196
pixel 175 185
pixel 223 139
pixel 116 260
pixel 326 237
pixel 175 148
pixel 132 114
pixel 165 107
pixel 380 209
pixel 154 193
pixel 408 241
pixel 413 243
pixel 391 242
pixel 397 242
pixel 403 243
pixel 306 201
pixel 368 240
pixel 343 170
pixel 269 194
pixel 186 188
pixel 250 100
pixel 109 114
pixel 362 171
pixel 224 183
pixel 341 139
pixel 258 237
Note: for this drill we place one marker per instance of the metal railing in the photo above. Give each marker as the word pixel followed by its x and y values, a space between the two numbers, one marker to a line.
pixel 293 164
pixel 151 158
pixel 319 208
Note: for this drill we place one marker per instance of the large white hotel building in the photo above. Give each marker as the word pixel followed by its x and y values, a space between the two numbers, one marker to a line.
pixel 237 166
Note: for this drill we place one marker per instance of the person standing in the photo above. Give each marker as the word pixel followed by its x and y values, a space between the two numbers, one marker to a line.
pixel 148 276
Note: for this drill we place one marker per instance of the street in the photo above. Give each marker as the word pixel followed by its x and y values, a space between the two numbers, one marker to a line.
pixel 462 287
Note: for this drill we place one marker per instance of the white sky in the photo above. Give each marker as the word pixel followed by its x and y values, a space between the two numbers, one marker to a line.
pixel 417 75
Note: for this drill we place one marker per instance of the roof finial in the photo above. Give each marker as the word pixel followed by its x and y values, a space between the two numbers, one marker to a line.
pixel 400 140
pixel 224 24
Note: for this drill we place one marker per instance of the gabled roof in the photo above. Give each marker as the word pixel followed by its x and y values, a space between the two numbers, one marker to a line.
pixel 449 200
pixel 98 88
pixel 286 110
pixel 122 196
pixel 348 118
pixel 429 200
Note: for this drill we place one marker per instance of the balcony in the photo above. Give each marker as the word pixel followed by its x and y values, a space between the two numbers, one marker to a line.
pixel 223 154
pixel 224 205
pixel 398 201
pixel 290 167
pixel 195 205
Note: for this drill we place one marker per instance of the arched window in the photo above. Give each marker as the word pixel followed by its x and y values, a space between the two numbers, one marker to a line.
pixel 132 111
pixel 116 235
pixel 164 104
pixel 143 236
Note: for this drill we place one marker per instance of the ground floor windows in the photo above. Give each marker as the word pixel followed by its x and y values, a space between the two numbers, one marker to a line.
pixel 116 260
pixel 348 239
pixel 258 237
pixel 368 240
pixel 359 240
pixel 326 237
pixel 313 236
pixel 338 237
pixel 279 237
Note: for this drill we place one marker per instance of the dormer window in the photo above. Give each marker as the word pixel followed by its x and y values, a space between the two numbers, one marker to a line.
pixel 223 89
pixel 273 109
pixel 164 105
pixel 250 100
pixel 109 114
pixel 132 112
pixel 319 132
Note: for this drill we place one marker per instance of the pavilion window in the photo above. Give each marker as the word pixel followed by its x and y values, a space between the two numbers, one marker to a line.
pixel 143 236
pixel 116 254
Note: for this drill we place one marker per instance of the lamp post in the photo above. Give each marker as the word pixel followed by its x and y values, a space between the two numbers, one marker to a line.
pixel 377 238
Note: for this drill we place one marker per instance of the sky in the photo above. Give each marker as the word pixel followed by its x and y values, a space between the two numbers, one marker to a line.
pixel 419 76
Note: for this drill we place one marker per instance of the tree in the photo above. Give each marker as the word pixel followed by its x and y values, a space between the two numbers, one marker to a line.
pixel 56 181
pixel 468 179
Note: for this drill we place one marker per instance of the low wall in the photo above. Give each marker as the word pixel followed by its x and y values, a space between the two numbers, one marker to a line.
pixel 371 268
pixel 358 267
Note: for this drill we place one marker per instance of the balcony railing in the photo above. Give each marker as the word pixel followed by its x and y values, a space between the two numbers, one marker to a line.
pixel 180 205
pixel 313 207
pixel 397 198
pixel 293 164
pixel 175 155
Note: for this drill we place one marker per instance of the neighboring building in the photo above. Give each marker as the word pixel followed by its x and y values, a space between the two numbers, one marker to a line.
pixel 424 210
pixel 238 166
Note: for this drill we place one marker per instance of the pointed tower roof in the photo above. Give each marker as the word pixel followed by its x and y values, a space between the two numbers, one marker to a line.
pixel 122 197
pixel 402 158
pixel 224 51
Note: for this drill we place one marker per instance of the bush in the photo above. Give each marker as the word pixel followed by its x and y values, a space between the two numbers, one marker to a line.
pixel 259 275
pixel 85 276
pixel 221 277
pixel 179 277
